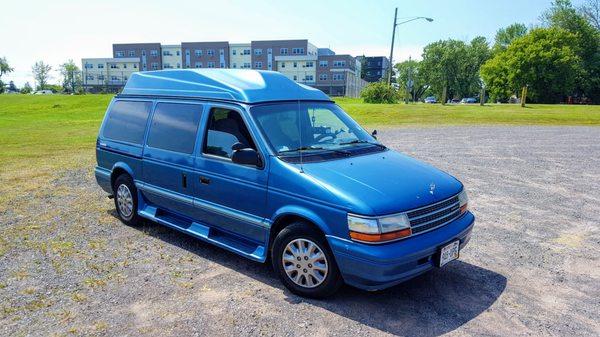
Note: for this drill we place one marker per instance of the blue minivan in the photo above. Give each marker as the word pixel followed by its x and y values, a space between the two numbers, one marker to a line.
pixel 270 169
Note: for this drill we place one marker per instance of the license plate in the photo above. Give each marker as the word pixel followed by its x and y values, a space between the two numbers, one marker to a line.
pixel 449 253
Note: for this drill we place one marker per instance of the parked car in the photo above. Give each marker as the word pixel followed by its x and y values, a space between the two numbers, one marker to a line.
pixel 43 92
pixel 270 169
pixel 453 101
pixel 430 100
pixel 468 100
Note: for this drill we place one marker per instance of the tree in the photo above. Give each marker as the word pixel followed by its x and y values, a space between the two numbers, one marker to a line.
pixel 41 73
pixel 71 76
pixel 545 61
pixel 4 69
pixel 12 87
pixel 591 11
pixel 27 89
pixel 452 66
pixel 505 36
pixel 563 15
pixel 409 71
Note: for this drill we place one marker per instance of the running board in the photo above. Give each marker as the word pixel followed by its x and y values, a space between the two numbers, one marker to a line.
pixel 217 237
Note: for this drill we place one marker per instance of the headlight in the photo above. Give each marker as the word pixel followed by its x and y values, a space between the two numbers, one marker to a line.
pixel 378 230
pixel 463 199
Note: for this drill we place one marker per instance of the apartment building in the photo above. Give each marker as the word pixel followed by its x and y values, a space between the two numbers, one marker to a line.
pixel 299 60
pixel 205 54
pixel 148 53
pixel 338 75
pixel 171 56
pixel 376 68
pixel 107 74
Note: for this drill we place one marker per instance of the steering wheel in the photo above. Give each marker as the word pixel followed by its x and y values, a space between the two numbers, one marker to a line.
pixel 322 137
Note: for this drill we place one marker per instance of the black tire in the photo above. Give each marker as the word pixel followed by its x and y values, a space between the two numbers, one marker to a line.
pixel 132 219
pixel 300 230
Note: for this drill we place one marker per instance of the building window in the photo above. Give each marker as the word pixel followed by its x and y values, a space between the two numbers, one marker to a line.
pixel 257 52
pixel 166 66
pixel 246 51
pixel 178 53
pixel 154 65
pixel 132 53
pixel 178 65
pixel 154 52
pixel 89 77
pixel 143 53
pixel 198 52
pixel 323 64
pixel 222 64
pixel 221 52
pixel 295 64
pixel 210 52
pixel 89 66
pixel 282 64
pixel 100 66
pixel 234 52
pixel 211 65
pixel 339 63
pixel 234 65
pixel 309 78
pixel 310 64
pixel 114 66
pixel 120 53
pixel 257 64
pixel 135 65
pixel 269 51
pixel 114 78
pixel 187 52
pixel 283 51
pixel 166 53
pixel 297 51
pixel 124 65
pixel 338 77
pixel 295 78
pixel 100 77
pixel 323 77
pixel 247 65
pixel 198 65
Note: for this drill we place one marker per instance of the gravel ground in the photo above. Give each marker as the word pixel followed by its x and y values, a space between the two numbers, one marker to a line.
pixel 69 267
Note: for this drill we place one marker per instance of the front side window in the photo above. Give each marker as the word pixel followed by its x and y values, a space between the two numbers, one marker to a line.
pixel 174 127
pixel 226 128
pixel 126 121
pixel 311 128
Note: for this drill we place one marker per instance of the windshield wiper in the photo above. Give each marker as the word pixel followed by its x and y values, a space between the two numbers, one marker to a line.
pixel 305 148
pixel 360 141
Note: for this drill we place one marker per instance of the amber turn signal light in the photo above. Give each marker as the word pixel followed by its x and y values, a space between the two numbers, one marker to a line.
pixel 383 237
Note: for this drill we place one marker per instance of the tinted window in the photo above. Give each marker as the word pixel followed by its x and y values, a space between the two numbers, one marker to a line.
pixel 225 128
pixel 174 127
pixel 126 121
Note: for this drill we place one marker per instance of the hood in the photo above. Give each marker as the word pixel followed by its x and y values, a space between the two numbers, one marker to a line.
pixel 383 183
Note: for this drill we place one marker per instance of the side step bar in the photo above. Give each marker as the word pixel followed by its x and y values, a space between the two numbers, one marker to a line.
pixel 218 238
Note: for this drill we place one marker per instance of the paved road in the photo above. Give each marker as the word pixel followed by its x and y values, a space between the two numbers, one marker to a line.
pixel 531 268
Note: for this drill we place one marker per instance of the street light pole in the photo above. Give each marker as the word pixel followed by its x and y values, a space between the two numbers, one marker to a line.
pixel 389 79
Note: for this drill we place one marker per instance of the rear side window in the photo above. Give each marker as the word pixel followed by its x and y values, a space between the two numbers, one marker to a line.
pixel 126 121
pixel 174 127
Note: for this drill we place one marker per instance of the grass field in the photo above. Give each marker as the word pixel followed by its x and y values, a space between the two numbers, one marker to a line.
pixel 56 127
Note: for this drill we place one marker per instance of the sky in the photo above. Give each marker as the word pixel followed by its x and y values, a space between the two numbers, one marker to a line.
pixel 58 30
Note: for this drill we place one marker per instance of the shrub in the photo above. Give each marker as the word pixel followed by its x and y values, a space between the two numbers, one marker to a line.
pixel 380 92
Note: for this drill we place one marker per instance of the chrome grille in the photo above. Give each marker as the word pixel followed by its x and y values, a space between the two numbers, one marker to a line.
pixel 435 215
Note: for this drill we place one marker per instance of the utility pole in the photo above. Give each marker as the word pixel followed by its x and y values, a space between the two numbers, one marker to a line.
pixel 389 79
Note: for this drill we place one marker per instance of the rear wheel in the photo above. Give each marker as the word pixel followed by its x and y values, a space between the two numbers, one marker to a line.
pixel 125 195
pixel 304 263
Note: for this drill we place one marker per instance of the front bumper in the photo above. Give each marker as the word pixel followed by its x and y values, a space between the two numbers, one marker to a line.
pixel 375 267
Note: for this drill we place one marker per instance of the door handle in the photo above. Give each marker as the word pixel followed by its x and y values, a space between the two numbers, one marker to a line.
pixel 183 180
pixel 204 180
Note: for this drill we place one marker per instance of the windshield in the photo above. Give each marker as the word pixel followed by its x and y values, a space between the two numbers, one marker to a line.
pixel 309 126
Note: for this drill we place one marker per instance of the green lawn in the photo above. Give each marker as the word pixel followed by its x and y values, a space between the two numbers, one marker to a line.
pixel 55 127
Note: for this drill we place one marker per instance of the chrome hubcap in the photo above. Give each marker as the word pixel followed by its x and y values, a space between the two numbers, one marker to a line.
pixel 305 263
pixel 124 201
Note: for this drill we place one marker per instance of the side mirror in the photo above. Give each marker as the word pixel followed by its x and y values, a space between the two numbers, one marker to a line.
pixel 374 134
pixel 246 156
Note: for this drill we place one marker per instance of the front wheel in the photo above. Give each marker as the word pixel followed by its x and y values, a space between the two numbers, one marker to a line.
pixel 304 263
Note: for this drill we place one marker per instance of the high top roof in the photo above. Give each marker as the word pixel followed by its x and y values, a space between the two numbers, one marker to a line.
pixel 240 85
